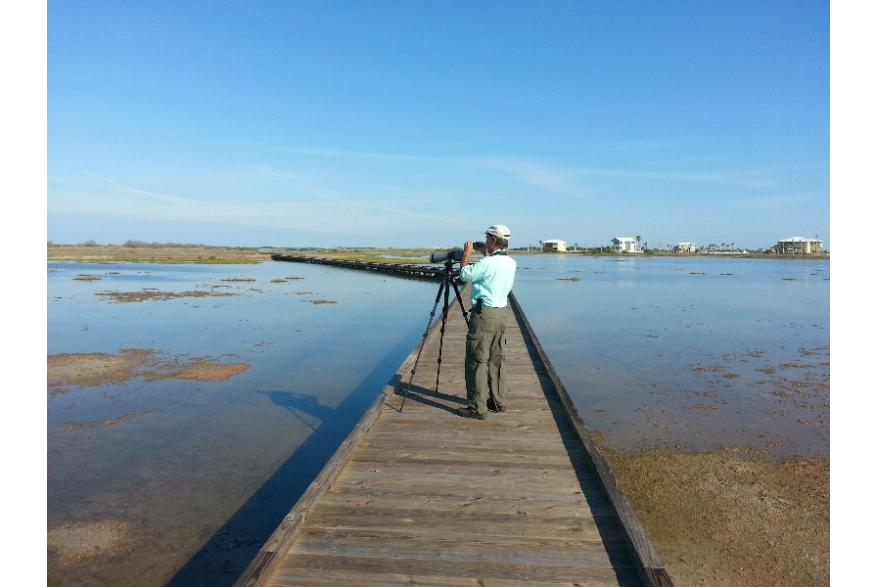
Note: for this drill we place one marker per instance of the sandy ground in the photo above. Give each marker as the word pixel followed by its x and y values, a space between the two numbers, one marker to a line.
pixel 725 519
pixel 78 541
pixel 100 368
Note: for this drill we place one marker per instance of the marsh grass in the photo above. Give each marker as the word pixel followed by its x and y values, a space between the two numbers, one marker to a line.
pixel 200 255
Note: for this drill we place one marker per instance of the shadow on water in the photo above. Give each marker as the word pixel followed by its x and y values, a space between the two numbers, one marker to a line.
pixel 297 403
pixel 227 553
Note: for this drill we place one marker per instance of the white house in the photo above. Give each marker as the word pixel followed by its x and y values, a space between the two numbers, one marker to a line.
pixel 624 244
pixel 798 245
pixel 554 245
pixel 685 248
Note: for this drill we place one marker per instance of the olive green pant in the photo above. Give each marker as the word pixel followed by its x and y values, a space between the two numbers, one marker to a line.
pixel 485 358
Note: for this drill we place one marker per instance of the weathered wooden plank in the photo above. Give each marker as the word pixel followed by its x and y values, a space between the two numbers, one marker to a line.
pixel 335 578
pixel 509 496
pixel 439 456
pixel 460 547
pixel 538 524
pixel 478 572
pixel 538 505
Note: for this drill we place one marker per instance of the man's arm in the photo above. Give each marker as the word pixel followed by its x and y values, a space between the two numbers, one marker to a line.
pixel 468 249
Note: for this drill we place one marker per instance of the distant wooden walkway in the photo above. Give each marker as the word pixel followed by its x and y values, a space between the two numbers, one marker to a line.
pixel 422 271
pixel 425 497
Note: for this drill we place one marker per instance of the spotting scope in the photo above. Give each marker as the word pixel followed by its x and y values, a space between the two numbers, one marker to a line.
pixel 454 256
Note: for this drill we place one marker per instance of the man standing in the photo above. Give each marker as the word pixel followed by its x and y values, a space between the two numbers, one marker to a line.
pixel 492 278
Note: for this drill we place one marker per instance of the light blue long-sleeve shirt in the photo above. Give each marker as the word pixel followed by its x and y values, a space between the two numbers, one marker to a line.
pixel 491 278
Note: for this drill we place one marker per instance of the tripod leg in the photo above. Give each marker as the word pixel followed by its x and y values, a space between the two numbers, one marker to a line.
pixel 438 372
pixel 422 344
pixel 460 302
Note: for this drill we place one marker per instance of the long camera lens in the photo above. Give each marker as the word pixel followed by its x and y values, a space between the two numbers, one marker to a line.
pixel 455 256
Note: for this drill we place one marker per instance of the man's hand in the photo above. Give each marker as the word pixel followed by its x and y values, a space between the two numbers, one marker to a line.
pixel 468 249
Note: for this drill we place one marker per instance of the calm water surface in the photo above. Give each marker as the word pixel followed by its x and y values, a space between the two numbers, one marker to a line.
pixel 691 353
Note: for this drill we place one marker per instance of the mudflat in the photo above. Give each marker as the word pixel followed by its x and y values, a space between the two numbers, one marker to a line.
pixel 725 519
pixel 100 368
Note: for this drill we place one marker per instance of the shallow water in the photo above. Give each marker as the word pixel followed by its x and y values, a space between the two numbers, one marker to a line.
pixel 691 353
pixel 654 351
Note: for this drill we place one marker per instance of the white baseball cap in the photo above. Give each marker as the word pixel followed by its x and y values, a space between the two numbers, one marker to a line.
pixel 499 231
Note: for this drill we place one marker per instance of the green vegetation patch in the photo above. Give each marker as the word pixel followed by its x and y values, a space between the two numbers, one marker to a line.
pixel 238 279
pixel 278 281
pixel 568 278
pixel 86 277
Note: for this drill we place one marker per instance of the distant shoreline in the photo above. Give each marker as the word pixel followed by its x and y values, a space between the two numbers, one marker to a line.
pixel 207 255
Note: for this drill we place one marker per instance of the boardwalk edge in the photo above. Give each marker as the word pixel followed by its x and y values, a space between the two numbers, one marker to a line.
pixel 648 563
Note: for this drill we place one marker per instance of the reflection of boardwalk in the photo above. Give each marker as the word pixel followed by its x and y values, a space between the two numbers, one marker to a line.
pixel 424 497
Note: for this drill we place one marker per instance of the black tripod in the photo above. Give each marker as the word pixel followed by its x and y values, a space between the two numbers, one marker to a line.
pixel 448 280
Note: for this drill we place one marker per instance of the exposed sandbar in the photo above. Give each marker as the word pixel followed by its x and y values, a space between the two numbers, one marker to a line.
pixel 101 368
pixel 149 294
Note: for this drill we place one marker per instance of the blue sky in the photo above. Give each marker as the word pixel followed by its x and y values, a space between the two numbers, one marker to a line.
pixel 401 124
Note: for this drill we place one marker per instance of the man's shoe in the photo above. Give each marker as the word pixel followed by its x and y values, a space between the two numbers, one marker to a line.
pixel 491 405
pixel 470 413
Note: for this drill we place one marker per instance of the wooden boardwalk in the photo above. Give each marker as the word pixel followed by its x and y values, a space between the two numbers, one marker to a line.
pixel 422 496
pixel 416 270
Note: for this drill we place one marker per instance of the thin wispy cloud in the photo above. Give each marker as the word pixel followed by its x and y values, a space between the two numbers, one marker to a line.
pixel 122 188
pixel 565 181
pixel 294 204
pixel 553 179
